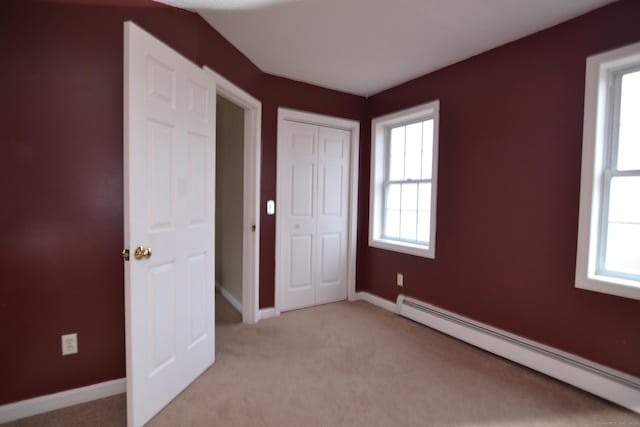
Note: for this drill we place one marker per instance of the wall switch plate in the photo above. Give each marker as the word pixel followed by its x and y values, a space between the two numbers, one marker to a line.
pixel 399 279
pixel 69 344
pixel 271 207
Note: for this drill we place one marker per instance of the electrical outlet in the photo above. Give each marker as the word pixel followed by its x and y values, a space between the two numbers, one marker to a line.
pixel 69 344
pixel 399 279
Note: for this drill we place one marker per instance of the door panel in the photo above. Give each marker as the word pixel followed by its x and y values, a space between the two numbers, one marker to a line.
pixel 301 262
pixel 169 207
pixel 197 180
pixel 332 190
pixel 333 219
pixel 314 216
pixel 197 298
pixel 330 258
pixel 299 145
pixel 160 178
pixel 302 189
pixel 162 282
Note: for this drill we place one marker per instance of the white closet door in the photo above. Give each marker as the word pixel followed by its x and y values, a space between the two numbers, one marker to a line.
pixel 332 220
pixel 314 215
pixel 298 209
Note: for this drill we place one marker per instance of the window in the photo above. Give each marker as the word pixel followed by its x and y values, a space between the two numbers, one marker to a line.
pixel 404 169
pixel 609 232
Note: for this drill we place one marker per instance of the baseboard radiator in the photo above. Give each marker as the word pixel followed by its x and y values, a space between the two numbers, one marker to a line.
pixel 600 380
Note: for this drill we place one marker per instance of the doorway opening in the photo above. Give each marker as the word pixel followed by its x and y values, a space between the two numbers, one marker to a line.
pixel 229 208
pixel 239 203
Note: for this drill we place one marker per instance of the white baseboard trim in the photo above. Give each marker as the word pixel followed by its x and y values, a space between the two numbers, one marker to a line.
pixel 227 295
pixel 594 378
pixel 266 313
pixel 51 402
pixel 375 300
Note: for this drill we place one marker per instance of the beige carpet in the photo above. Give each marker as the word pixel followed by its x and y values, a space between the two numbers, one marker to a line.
pixel 356 365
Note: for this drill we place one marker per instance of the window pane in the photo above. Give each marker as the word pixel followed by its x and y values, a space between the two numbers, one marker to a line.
pixel 424 226
pixel 427 149
pixel 424 197
pixel 624 200
pixel 409 199
pixel 629 136
pixel 408 225
pixel 393 196
pixel 623 234
pixel 623 253
pixel 392 223
pixel 413 151
pixel 396 154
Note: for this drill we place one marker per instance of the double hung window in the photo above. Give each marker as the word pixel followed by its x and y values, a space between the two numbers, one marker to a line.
pixel 404 177
pixel 609 234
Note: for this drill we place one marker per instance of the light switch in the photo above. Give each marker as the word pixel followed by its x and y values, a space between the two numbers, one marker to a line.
pixel 271 207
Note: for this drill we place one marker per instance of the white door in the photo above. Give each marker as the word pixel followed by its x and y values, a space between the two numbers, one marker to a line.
pixel 169 157
pixel 332 217
pixel 314 214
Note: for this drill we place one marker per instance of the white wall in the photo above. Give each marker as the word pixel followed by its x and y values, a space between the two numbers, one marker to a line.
pixel 229 176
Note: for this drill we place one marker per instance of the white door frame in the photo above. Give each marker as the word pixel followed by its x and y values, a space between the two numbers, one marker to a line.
pixel 251 193
pixel 285 114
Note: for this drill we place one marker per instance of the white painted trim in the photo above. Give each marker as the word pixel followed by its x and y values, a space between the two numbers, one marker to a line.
pixel 63 399
pixel 353 209
pixel 230 298
pixel 594 378
pixel 251 193
pixel 375 300
pixel 377 175
pixel 267 313
pixel 594 141
pixel 337 123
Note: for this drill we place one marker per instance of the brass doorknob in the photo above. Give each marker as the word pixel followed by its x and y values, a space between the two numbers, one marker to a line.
pixel 142 252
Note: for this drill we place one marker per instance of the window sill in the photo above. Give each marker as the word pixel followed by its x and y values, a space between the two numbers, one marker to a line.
pixel 610 285
pixel 402 247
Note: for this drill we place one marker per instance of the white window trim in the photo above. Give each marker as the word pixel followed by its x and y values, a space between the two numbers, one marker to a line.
pixel 376 200
pixel 596 107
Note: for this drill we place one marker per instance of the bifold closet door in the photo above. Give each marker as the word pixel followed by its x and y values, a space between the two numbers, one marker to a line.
pixel 332 217
pixel 298 209
pixel 314 215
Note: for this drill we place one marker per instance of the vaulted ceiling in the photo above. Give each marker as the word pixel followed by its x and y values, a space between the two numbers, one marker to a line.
pixel 365 46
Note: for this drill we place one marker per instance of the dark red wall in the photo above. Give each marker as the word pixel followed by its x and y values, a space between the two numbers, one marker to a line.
pixel 508 191
pixel 279 92
pixel 507 209
pixel 61 177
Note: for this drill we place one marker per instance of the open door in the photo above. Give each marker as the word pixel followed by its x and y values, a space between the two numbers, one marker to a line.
pixel 169 159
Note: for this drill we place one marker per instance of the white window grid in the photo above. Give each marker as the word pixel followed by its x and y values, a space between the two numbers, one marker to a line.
pixel 610 170
pixel 387 182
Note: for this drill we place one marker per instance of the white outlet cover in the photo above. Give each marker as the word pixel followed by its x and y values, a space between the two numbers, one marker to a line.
pixel 69 344
pixel 400 279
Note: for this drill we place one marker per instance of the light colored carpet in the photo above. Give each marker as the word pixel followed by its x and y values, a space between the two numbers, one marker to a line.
pixel 353 364
pixel 225 313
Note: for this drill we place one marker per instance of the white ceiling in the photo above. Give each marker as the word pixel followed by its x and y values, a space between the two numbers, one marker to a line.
pixel 366 46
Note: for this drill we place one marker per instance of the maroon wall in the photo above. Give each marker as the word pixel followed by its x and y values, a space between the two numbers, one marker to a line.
pixel 279 92
pixel 61 169
pixel 508 200
pixel 509 181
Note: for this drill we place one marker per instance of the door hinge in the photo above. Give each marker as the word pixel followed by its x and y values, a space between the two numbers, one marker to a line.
pixel 125 254
pixel 253 227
